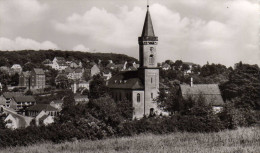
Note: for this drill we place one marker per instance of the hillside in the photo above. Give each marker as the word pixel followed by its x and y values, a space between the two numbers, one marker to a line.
pixel 8 58
pixel 241 140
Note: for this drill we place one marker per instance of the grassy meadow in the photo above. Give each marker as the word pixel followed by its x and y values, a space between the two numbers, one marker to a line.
pixel 242 140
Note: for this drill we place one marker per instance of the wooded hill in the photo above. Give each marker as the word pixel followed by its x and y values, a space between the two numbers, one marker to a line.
pixel 8 58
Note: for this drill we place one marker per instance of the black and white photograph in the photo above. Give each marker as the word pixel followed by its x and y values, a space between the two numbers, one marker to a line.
pixel 134 76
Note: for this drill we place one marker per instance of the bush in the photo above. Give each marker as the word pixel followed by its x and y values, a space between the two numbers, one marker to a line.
pixel 234 117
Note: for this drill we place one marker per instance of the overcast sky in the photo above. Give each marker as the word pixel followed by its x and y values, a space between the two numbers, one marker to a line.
pixel 218 31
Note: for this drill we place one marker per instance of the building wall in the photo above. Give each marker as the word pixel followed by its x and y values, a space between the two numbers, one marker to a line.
pixel 23 81
pixel 37 81
pixel 151 90
pixel 138 106
pixel 121 94
pixel 95 70
pixel 12 123
pixel 48 120
pixel 145 51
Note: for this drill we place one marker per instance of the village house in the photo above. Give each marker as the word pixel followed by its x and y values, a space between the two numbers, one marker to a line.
pixel 140 87
pixel 17 68
pixel 107 74
pixel 35 79
pixel 166 66
pixel 22 102
pixel 95 70
pixel 75 64
pixel 79 84
pixel 11 122
pixel 59 63
pixel 43 118
pixel 57 104
pixel 24 79
pixel 33 111
pixel 7 96
pixel 14 121
pixel 210 93
pixel 47 62
pixel 75 74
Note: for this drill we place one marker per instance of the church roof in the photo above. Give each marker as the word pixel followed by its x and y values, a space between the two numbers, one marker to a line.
pixel 126 80
pixel 148 25
pixel 210 92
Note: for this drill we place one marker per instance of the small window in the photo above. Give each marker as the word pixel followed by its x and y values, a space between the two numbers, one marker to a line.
pixel 151 59
pixel 151 80
pixel 138 97
pixel 152 95
pixel 151 49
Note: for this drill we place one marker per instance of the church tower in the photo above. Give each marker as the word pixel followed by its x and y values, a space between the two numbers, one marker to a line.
pixel 148 71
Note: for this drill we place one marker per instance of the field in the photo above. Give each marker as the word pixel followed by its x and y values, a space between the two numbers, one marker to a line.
pixel 242 140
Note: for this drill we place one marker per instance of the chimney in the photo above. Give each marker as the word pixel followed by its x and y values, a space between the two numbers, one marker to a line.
pixel 75 87
pixel 191 81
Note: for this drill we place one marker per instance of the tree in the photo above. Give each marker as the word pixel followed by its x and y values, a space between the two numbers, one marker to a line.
pixel 14 79
pixel 62 81
pixel 86 76
pixel 244 83
pixel 169 102
pixel 177 64
pixel 185 67
pixel 51 74
pixel 98 87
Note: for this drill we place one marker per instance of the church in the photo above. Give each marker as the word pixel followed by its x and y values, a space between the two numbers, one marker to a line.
pixel 140 87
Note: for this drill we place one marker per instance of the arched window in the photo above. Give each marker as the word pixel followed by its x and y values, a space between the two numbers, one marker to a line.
pixel 138 97
pixel 151 59
pixel 152 112
pixel 151 49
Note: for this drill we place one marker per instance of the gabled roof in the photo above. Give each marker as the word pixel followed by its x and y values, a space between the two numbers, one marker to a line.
pixel 57 101
pixel 109 65
pixel 39 71
pixel 126 80
pixel 148 26
pixel 41 107
pixel 68 70
pixel 210 92
pixel 47 61
pixel 11 94
pixel 78 70
pixel 165 65
pixel 60 58
pixel 24 99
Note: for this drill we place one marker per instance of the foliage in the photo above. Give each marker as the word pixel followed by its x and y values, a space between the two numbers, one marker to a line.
pixel 98 87
pixel 244 83
pixel 62 81
pixel 37 57
pixel 211 69
pixel 169 101
pixel 233 118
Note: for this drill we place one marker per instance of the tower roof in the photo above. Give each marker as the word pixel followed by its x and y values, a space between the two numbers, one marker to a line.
pixel 148 25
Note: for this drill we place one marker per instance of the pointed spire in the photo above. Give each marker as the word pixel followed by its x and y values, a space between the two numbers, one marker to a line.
pixel 148 25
